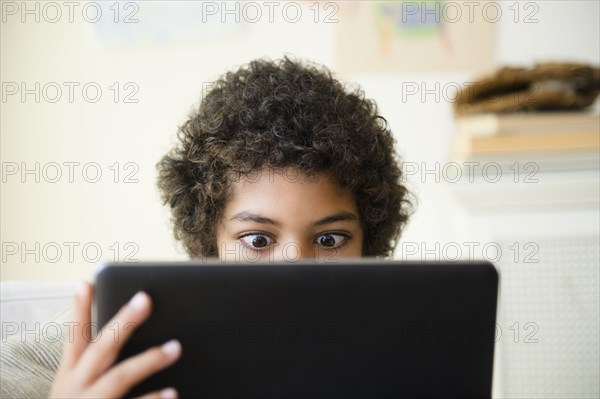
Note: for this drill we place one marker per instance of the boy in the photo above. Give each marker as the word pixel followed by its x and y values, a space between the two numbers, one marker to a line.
pixel 280 161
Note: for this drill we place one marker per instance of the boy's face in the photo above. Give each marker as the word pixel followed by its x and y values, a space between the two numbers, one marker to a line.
pixel 285 216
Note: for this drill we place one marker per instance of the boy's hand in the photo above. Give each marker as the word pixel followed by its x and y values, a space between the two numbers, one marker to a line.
pixel 87 368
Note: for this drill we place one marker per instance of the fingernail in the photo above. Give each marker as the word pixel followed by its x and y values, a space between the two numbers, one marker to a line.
pixel 168 393
pixel 139 300
pixel 171 348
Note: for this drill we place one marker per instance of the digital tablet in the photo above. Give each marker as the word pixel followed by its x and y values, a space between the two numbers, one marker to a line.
pixel 352 329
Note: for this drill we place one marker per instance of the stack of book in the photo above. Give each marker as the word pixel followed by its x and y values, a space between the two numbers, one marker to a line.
pixel 537 135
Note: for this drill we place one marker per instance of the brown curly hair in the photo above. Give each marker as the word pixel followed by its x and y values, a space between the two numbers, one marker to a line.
pixel 280 114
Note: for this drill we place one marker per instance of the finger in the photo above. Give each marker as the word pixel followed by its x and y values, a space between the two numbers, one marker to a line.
pixel 75 342
pixel 168 393
pixel 103 352
pixel 119 379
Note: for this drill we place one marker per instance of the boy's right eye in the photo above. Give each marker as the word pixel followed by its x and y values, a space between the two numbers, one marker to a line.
pixel 256 240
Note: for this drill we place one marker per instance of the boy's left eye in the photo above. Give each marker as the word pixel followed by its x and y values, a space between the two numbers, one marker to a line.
pixel 331 240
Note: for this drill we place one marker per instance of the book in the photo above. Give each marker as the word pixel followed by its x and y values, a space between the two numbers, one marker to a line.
pixel 527 132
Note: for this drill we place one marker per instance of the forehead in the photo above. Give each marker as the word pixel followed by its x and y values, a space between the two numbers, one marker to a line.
pixel 288 191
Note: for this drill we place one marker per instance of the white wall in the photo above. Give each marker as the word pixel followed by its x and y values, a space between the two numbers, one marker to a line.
pixel 169 66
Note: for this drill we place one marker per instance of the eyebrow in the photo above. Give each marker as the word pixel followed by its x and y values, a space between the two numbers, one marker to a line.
pixel 246 216
pixel 342 216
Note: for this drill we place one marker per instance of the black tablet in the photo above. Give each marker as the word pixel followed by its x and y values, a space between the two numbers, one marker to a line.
pixel 352 329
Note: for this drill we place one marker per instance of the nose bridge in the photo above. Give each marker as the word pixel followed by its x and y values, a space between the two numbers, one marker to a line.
pixel 293 249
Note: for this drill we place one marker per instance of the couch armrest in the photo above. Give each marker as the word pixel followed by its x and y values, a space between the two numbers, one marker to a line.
pixel 26 305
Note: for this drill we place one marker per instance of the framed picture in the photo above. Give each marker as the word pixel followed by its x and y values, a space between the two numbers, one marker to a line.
pixel 411 36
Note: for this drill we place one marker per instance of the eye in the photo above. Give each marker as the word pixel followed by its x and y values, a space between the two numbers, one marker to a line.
pixel 256 240
pixel 330 240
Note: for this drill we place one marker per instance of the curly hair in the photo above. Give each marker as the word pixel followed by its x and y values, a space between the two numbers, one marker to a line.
pixel 280 114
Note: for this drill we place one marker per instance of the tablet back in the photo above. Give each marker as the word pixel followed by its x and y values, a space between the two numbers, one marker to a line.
pixel 354 329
